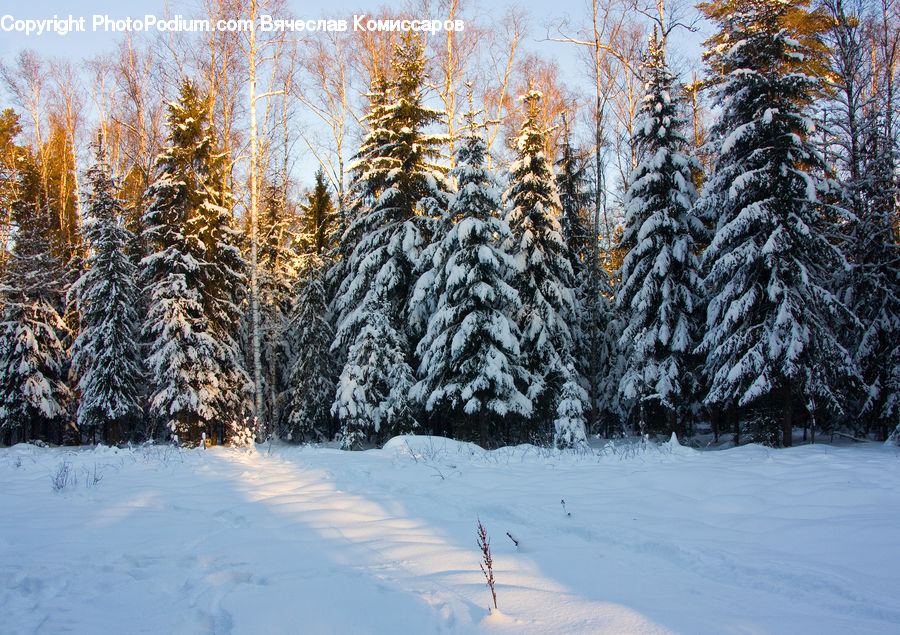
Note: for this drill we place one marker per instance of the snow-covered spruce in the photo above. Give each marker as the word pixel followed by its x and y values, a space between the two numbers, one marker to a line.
pixel 470 368
pixel 660 290
pixel 866 161
pixel 195 277
pixel 311 384
pixel 34 397
pixel 593 314
pixel 398 192
pixel 372 399
pixel 544 282
pixel 106 355
pixel 771 335
pixel 278 261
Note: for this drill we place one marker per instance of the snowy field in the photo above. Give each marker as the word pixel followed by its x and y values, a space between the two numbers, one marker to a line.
pixel 313 540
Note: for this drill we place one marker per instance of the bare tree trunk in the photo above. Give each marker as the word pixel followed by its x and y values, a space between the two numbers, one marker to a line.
pixel 715 414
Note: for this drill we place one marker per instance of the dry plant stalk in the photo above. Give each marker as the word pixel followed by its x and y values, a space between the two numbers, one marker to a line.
pixel 487 566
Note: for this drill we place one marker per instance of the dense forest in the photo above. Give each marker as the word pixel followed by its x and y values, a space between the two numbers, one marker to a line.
pixel 479 251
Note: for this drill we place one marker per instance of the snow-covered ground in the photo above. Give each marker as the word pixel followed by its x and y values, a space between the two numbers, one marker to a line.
pixel 315 540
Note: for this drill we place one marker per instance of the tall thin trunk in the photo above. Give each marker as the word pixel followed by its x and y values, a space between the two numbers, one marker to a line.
pixel 254 228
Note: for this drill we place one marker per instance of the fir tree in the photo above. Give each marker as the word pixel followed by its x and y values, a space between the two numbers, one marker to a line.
pixel 34 396
pixel 106 353
pixel 544 282
pixel 771 338
pixel 660 288
pixel 570 424
pixel 470 367
pixel 195 277
pixel 366 184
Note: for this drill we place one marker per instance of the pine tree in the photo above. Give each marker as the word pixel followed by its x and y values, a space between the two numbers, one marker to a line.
pixel 106 354
pixel 398 191
pixel 34 397
pixel 660 289
pixel 195 278
pixel 470 369
pixel 771 321
pixel 545 280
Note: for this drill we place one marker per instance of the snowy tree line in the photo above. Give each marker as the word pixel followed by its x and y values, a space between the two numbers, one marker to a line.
pixel 752 289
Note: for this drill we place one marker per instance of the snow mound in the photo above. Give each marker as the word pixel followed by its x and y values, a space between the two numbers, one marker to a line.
pixel 672 446
pixel 431 447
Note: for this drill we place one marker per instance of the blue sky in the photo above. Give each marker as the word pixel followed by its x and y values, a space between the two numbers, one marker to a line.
pixel 79 46
pixel 84 45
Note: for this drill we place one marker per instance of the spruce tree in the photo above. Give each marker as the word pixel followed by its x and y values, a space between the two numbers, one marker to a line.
pixel 577 228
pixel 574 199
pixel 660 288
pixel 320 217
pixel 372 395
pixel 771 336
pixel 106 354
pixel 398 191
pixel 311 383
pixel 34 397
pixel 195 277
pixel 872 288
pixel 470 369
pixel 278 262
pixel 865 161
pixel 544 282
pixel 366 184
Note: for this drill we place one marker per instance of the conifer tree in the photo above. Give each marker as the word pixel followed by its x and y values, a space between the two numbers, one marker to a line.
pixel 575 225
pixel 874 295
pixel 771 321
pixel 865 162
pixel 278 262
pixel 398 191
pixel 660 287
pixel 366 183
pixel 195 276
pixel 106 354
pixel 372 400
pixel 470 369
pixel 311 384
pixel 591 322
pixel 320 217
pixel 34 397
pixel 544 282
